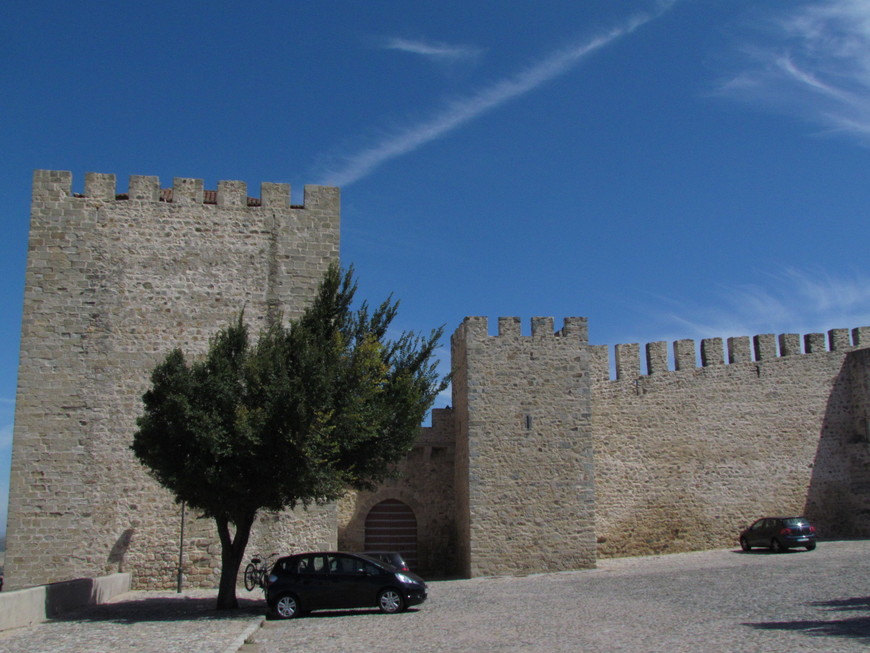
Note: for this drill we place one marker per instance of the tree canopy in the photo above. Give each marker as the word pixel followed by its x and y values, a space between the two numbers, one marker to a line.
pixel 322 404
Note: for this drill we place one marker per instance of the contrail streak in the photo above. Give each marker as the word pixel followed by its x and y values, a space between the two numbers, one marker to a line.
pixel 454 114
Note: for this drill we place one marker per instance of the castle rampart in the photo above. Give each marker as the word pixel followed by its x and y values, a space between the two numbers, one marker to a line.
pixel 686 455
pixel 546 460
pixel 113 282
pixel 742 349
pixel 685 452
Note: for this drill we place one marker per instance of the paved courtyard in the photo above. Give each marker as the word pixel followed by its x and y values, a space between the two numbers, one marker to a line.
pixel 707 601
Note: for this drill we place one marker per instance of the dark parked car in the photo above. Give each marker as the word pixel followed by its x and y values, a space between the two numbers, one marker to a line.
pixel 328 580
pixel 390 557
pixel 779 534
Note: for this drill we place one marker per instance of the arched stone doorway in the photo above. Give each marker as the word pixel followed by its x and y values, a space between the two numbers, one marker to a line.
pixel 392 526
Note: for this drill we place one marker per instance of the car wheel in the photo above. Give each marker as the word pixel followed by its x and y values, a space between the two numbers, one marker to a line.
pixel 744 544
pixel 390 601
pixel 810 547
pixel 287 607
pixel 776 546
pixel 250 577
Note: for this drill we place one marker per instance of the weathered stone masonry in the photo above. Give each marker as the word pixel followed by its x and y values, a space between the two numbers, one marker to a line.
pixel 524 419
pixel 543 463
pixel 113 282
pixel 425 484
pixel 684 457
pixel 556 463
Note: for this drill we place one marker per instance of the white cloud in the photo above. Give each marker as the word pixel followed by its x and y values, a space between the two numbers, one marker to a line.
pixel 794 301
pixel 434 51
pixel 814 63
pixel 357 165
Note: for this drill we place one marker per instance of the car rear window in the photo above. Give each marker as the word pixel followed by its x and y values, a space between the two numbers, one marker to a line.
pixel 795 521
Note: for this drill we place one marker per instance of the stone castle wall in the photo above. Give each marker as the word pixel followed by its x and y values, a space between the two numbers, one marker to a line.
pixel 113 282
pixel 524 472
pixel 543 463
pixel 685 457
pixel 685 453
pixel 424 482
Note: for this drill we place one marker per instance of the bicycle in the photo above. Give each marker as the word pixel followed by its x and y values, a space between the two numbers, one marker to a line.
pixel 256 572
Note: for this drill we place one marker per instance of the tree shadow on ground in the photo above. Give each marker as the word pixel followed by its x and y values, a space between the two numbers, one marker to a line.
pixel 181 608
pixel 852 627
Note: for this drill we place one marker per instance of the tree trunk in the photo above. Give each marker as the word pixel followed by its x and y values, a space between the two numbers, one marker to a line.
pixel 232 553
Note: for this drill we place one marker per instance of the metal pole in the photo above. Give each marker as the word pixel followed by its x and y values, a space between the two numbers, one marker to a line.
pixel 181 549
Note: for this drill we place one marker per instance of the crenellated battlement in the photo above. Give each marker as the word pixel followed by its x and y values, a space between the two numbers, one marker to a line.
pixel 56 185
pixel 477 327
pixel 713 351
pixel 656 358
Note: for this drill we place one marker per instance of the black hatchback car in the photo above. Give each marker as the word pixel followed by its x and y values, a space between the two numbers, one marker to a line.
pixel 779 534
pixel 334 580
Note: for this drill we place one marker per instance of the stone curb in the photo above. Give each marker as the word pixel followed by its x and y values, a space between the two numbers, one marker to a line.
pixel 242 639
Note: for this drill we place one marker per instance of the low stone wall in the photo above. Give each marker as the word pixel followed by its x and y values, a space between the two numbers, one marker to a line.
pixel 26 607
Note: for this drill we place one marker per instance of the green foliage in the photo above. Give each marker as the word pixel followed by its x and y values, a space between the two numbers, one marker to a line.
pixel 321 405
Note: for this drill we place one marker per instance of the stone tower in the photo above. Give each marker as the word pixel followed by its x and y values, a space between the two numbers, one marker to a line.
pixel 113 282
pixel 525 498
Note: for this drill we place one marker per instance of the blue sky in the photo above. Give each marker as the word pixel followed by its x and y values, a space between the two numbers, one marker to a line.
pixel 670 170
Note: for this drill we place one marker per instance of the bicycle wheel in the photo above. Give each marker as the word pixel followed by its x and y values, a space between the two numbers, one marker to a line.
pixel 252 575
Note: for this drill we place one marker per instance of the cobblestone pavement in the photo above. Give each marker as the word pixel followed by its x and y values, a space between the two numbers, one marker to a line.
pixel 144 622
pixel 714 601
pixel 709 601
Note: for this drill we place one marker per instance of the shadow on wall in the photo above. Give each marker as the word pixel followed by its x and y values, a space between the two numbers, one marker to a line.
pixel 69 595
pixel 838 500
pixel 157 609
pixel 434 548
pixel 119 550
